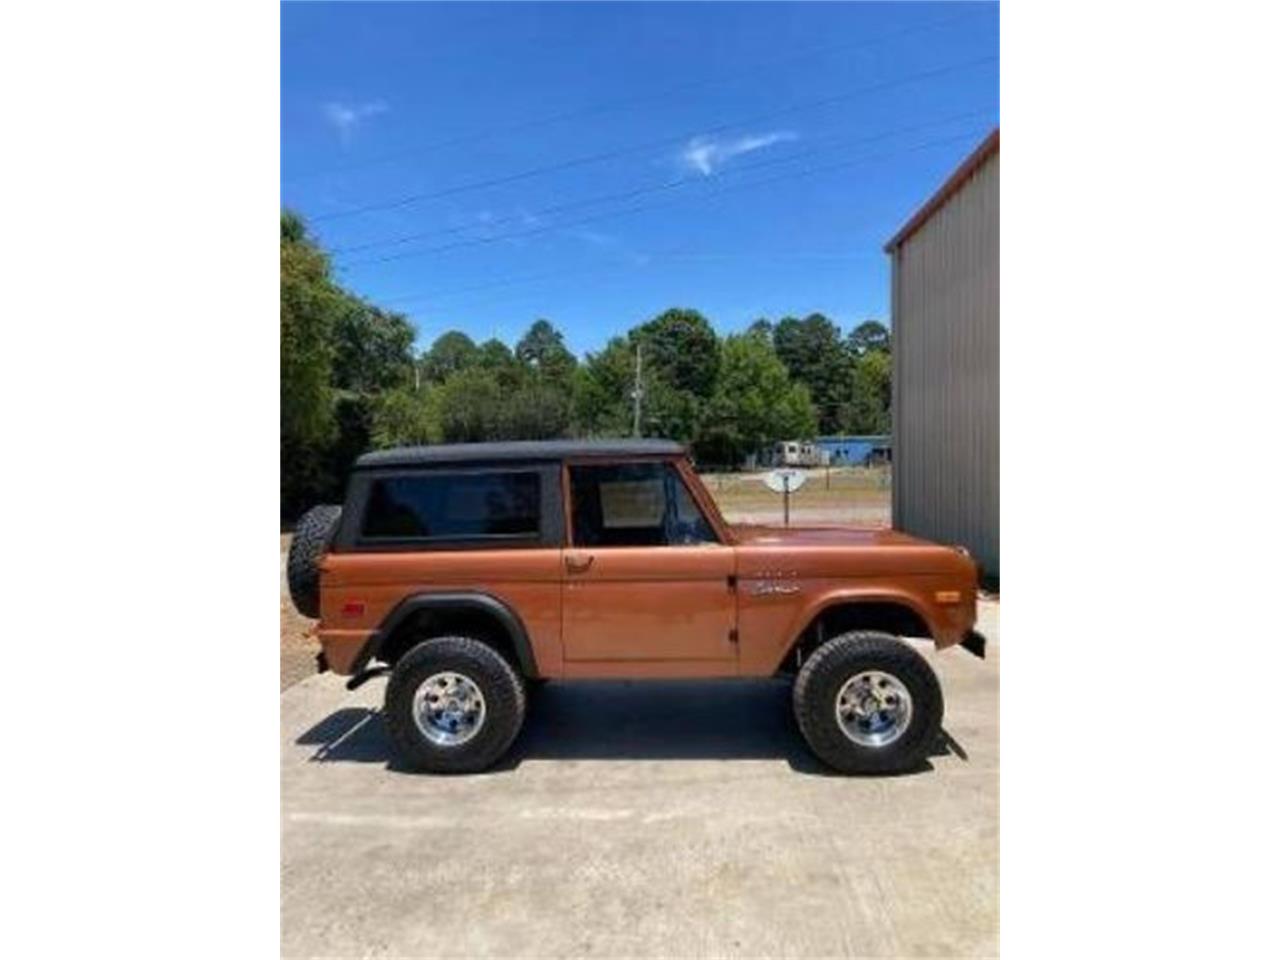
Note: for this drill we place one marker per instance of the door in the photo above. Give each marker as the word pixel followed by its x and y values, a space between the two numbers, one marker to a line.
pixel 645 576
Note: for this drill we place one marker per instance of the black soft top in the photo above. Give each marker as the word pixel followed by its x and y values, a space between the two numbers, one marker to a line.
pixel 525 450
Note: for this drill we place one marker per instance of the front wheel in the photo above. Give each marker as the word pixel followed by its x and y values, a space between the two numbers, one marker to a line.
pixel 868 703
pixel 453 705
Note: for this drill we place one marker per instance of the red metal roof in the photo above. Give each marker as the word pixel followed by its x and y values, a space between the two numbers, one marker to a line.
pixel 944 193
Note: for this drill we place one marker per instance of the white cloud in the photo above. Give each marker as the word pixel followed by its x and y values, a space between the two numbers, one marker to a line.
pixel 345 117
pixel 705 154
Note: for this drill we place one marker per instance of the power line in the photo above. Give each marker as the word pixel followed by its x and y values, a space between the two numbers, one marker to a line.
pixel 648 145
pixel 651 188
pixel 409 298
pixel 627 211
pixel 607 106
pixel 552 228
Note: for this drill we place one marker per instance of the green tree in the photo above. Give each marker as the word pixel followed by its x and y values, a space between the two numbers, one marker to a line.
pixel 471 407
pixel 538 410
pixel 667 411
pixel 373 349
pixel 405 417
pixel 310 305
pixel 589 404
pixel 680 365
pixel 602 391
pixel 868 335
pixel 762 328
pixel 543 351
pixel 680 348
pixel 494 355
pixel 451 353
pixel 309 308
pixel 868 411
pixel 813 354
pixel 755 402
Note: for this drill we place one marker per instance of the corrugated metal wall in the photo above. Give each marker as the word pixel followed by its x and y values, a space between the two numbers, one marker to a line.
pixel 946 372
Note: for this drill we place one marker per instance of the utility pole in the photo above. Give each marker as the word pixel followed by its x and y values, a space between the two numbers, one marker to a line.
pixel 636 393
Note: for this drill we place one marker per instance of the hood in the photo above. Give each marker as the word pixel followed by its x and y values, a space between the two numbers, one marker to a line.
pixel 847 551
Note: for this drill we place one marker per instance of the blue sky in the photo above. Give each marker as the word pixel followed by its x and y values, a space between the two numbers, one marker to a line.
pixel 746 160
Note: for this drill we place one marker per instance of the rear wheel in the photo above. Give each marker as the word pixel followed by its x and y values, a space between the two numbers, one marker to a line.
pixel 453 705
pixel 868 703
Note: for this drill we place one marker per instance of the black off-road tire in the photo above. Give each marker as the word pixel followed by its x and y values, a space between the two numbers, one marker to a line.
pixel 310 540
pixel 818 685
pixel 500 685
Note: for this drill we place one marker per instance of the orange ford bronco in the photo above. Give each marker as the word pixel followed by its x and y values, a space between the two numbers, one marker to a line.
pixel 472 572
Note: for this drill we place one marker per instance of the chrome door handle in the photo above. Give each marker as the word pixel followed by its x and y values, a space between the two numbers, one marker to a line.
pixel 576 564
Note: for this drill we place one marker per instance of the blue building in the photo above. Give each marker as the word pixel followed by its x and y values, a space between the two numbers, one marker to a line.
pixel 856 451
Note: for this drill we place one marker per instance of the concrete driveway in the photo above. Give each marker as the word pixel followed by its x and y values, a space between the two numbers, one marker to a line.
pixel 665 819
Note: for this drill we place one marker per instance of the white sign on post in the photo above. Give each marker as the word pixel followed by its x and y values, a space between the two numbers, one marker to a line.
pixel 786 480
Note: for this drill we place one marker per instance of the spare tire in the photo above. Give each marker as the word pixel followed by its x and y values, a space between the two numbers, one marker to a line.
pixel 310 540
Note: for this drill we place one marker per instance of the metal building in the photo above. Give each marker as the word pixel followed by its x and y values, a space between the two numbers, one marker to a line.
pixel 857 451
pixel 946 362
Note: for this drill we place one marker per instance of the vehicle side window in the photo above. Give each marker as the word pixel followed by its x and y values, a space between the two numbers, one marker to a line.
pixel 454 506
pixel 634 505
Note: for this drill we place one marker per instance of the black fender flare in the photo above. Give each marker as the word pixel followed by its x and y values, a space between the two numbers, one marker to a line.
pixel 455 600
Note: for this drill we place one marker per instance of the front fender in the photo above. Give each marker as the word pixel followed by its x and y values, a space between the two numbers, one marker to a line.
pixel 904 598
pixel 769 633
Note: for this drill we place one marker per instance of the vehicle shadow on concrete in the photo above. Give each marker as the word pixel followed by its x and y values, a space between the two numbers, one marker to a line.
pixel 623 720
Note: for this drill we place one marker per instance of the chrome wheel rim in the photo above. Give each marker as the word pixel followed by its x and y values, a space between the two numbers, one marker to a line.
pixel 448 708
pixel 873 708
